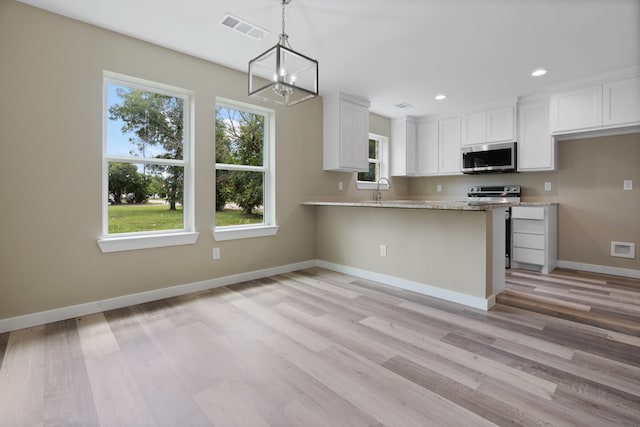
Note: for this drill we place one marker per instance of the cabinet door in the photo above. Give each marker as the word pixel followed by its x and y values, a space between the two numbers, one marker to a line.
pixel 500 125
pixel 474 128
pixel 403 147
pixel 528 256
pixel 412 149
pixel 449 146
pixel 578 109
pixel 427 148
pixel 528 212
pixel 621 104
pixel 536 147
pixel 354 136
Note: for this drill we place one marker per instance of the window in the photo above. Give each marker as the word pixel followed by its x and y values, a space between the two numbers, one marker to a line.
pixel 378 164
pixel 147 175
pixel 244 172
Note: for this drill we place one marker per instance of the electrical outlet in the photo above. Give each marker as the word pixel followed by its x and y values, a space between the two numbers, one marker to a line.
pixel 216 253
pixel 547 186
pixel 383 250
pixel 340 186
pixel 627 184
pixel 438 188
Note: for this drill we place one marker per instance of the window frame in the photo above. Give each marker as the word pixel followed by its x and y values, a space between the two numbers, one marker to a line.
pixel 269 226
pixel 157 238
pixel 383 161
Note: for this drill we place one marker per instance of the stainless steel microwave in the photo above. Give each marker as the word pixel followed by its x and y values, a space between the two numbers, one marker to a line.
pixel 489 158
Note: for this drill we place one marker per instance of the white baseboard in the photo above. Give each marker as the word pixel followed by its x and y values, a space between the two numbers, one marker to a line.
pixel 70 312
pixel 40 318
pixel 421 288
pixel 603 269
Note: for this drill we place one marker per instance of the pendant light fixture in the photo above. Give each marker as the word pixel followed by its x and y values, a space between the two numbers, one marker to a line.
pixel 281 75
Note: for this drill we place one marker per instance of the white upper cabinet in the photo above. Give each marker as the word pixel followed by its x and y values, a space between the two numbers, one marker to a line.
pixel 621 102
pixel 501 125
pixel 536 147
pixel 605 105
pixel 577 109
pixel 497 125
pixel 403 147
pixel 427 149
pixel 449 146
pixel 474 128
pixel 438 149
pixel 346 133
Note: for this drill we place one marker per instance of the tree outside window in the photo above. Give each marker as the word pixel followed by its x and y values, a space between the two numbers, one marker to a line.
pixel 145 158
pixel 241 166
pixel 373 174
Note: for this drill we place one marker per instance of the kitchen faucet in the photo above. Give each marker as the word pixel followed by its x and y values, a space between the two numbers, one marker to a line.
pixel 377 196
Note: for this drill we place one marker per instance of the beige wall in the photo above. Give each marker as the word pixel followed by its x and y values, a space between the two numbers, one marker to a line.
pixel 424 246
pixel 51 72
pixel 594 209
pixel 50 168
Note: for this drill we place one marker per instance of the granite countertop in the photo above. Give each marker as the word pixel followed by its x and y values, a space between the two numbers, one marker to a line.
pixel 425 204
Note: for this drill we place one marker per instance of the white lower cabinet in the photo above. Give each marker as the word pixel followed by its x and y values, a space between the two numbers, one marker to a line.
pixel 534 237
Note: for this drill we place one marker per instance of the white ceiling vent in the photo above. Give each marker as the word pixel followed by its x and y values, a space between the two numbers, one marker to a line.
pixel 403 105
pixel 244 27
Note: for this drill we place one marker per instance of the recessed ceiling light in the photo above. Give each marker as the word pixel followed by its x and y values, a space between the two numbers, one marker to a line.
pixel 441 97
pixel 539 72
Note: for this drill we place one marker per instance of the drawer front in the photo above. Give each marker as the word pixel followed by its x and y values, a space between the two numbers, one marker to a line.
pixel 523 212
pixel 528 226
pixel 528 256
pixel 531 241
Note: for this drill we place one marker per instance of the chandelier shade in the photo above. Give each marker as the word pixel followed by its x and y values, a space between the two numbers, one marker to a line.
pixel 281 75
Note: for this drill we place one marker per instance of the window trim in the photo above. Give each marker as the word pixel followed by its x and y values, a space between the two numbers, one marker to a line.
pixel 383 149
pixel 157 238
pixel 269 225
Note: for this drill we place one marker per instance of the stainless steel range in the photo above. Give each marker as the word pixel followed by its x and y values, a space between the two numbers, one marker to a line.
pixel 493 194
pixel 497 194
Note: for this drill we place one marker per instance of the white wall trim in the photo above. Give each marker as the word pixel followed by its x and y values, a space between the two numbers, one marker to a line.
pixel 244 232
pixel 603 269
pixel 147 241
pixel 40 318
pixel 421 288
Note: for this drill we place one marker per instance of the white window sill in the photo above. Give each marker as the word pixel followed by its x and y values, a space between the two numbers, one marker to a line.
pixel 368 185
pixel 233 233
pixel 130 243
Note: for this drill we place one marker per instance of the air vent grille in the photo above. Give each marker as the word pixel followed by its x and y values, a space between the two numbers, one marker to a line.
pixel 403 105
pixel 242 26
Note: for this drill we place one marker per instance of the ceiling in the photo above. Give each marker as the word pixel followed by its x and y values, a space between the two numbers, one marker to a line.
pixel 404 51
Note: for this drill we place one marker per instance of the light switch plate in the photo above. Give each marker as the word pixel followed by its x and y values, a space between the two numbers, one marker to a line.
pixel 340 186
pixel 547 186
pixel 438 188
pixel 627 184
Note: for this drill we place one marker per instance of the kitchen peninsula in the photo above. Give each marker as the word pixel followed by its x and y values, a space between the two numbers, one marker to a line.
pixel 447 249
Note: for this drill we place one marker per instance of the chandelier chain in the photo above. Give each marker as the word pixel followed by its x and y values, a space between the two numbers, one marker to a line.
pixel 284 38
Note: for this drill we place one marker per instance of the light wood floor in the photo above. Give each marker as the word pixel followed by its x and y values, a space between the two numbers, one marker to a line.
pixel 317 348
